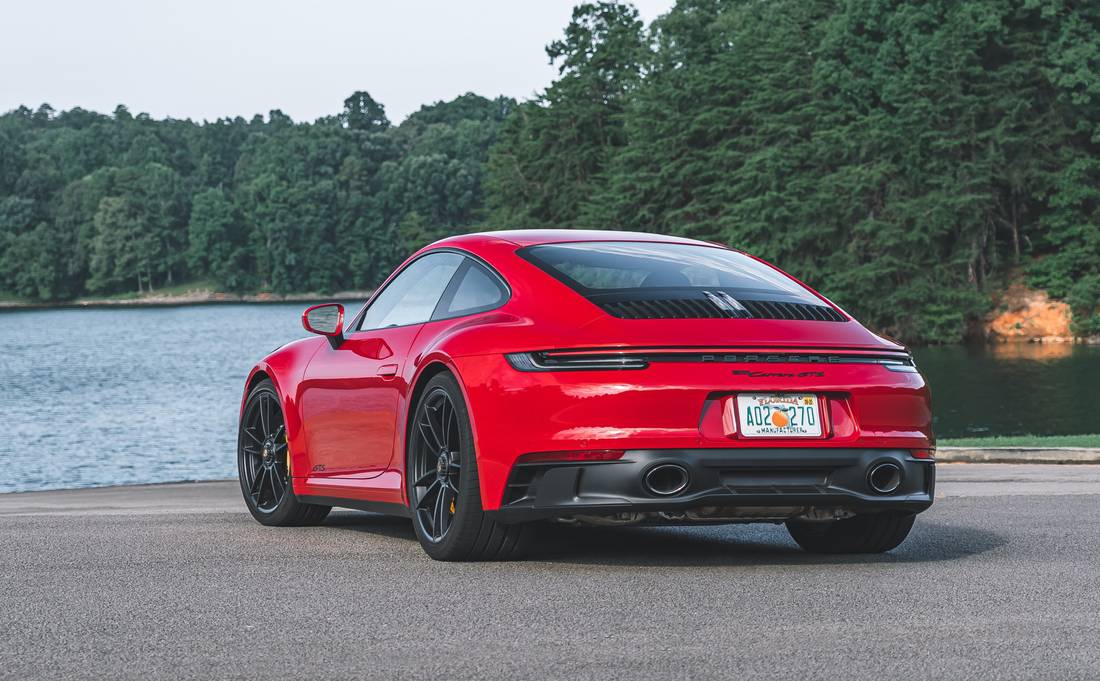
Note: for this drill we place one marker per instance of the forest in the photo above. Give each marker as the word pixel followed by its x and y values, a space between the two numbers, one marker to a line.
pixel 908 159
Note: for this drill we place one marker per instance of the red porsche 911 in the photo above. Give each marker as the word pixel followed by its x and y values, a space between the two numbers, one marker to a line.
pixel 500 379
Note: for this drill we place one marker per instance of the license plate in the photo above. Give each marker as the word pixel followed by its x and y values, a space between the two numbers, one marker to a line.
pixel 778 415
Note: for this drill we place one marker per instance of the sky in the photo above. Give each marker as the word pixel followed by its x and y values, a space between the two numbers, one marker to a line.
pixel 206 59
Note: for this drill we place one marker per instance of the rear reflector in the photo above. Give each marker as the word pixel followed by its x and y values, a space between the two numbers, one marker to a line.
pixel 923 453
pixel 585 455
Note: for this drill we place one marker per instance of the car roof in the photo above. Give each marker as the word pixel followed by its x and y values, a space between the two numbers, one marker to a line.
pixel 532 237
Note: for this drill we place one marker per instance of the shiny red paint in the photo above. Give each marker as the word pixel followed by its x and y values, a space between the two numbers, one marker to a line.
pixel 347 406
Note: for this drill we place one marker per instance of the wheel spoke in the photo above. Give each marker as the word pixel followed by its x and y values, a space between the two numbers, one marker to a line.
pixel 437 425
pixel 257 484
pixel 263 416
pixel 277 486
pixel 437 514
pixel 450 428
pixel 445 421
pixel 429 495
pixel 435 445
pixel 425 479
pixel 248 432
pixel 447 497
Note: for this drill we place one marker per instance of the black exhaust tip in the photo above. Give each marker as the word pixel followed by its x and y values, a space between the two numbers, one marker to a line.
pixel 666 479
pixel 884 477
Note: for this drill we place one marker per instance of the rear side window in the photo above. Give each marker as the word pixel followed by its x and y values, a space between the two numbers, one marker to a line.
pixel 606 267
pixel 477 290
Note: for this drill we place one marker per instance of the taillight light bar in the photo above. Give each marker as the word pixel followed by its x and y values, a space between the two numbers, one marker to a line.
pixel 541 361
pixel 634 358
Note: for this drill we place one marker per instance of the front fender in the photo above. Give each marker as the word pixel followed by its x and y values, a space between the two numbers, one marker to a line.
pixel 285 368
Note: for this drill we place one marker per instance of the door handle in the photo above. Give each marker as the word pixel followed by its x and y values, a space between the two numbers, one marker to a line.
pixel 387 370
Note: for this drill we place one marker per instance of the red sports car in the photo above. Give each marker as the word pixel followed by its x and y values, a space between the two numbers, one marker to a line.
pixel 499 379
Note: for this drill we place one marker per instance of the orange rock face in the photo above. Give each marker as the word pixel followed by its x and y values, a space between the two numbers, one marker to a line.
pixel 1029 315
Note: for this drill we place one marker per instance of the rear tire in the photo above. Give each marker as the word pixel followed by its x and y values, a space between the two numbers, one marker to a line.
pixel 263 464
pixel 443 486
pixel 873 533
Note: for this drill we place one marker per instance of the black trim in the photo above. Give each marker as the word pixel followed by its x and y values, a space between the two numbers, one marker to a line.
pixel 743 477
pixel 383 507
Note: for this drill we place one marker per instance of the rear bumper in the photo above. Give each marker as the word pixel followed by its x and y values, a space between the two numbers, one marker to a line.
pixel 814 478
pixel 677 407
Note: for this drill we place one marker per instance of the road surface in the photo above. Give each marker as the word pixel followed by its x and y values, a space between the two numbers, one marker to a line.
pixel 999 580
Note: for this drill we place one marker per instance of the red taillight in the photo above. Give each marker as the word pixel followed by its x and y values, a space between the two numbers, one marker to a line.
pixel 923 453
pixel 585 455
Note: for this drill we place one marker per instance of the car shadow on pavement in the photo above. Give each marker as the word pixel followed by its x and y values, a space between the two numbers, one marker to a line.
pixel 748 544
pixel 392 527
pixel 743 545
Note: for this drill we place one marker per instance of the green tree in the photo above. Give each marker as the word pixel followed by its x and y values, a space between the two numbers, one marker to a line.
pixel 121 248
pixel 553 150
pixel 218 243
pixel 361 112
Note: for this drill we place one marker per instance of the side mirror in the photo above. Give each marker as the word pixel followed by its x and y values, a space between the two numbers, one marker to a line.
pixel 326 320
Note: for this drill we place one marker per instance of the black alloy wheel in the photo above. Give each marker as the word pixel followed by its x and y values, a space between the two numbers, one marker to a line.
pixel 437 464
pixel 263 463
pixel 265 474
pixel 442 482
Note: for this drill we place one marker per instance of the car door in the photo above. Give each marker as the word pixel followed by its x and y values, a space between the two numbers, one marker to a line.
pixel 350 393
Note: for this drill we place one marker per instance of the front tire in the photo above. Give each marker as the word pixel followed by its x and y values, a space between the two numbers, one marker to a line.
pixel 263 463
pixel 873 533
pixel 442 482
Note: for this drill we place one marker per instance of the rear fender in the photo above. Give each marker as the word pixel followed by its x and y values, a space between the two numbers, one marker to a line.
pixel 426 367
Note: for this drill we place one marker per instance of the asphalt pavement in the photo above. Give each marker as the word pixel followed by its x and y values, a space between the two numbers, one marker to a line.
pixel 999 580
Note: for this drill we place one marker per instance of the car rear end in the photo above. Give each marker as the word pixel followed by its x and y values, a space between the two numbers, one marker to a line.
pixel 692 384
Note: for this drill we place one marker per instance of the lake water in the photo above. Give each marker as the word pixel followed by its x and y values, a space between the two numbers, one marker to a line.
pixel 116 396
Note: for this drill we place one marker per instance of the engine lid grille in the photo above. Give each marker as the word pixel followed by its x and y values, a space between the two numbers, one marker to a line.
pixel 717 305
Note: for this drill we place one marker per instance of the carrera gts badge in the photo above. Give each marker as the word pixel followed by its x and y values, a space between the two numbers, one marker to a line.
pixel 778 374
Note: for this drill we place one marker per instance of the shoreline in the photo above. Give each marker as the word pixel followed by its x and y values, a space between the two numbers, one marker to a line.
pixel 203 296
pixel 1059 456
pixel 197 297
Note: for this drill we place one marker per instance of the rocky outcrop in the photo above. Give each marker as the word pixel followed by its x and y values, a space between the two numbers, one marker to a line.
pixel 1024 314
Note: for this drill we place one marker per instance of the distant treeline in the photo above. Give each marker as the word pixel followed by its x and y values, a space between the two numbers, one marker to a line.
pixel 101 204
pixel 907 158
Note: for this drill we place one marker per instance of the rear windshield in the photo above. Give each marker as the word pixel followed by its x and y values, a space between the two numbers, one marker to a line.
pixel 596 267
